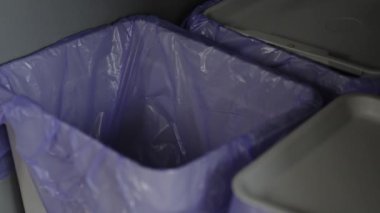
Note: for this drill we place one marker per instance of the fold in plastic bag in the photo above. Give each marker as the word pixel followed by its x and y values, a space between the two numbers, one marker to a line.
pixel 171 119
pixel 330 83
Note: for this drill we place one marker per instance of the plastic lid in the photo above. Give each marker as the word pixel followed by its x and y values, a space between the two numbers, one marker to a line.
pixel 330 164
pixel 342 34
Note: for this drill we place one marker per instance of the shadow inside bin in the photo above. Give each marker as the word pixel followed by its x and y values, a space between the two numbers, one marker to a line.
pixel 152 147
pixel 138 138
pixel 163 152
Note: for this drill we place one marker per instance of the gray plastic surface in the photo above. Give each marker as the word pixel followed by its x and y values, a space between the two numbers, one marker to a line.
pixel 340 33
pixel 10 199
pixel 330 164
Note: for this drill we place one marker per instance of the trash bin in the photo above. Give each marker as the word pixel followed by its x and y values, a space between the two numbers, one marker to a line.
pixel 329 164
pixel 138 116
pixel 329 82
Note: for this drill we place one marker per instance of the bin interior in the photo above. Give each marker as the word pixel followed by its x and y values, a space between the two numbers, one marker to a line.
pixel 150 92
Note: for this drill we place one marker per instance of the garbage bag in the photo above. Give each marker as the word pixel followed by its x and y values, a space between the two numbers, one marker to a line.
pixel 329 82
pixel 138 116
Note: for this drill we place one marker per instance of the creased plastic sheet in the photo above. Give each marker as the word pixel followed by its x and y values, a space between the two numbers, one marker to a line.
pixel 139 117
pixel 330 83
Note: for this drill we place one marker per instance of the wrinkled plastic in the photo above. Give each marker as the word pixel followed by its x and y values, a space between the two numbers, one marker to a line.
pixel 139 117
pixel 330 83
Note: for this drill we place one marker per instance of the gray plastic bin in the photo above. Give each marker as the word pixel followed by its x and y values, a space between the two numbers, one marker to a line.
pixel 330 164
pixel 342 34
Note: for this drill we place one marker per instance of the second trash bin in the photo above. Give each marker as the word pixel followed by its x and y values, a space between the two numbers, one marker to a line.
pixel 328 81
pixel 139 117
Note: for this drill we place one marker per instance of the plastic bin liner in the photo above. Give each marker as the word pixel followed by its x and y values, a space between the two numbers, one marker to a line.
pixel 139 117
pixel 329 82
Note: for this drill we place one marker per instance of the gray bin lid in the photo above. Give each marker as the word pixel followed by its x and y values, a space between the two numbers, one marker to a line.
pixel 340 33
pixel 330 164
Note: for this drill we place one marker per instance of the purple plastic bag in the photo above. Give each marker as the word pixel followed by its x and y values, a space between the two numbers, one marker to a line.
pixel 139 117
pixel 330 83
